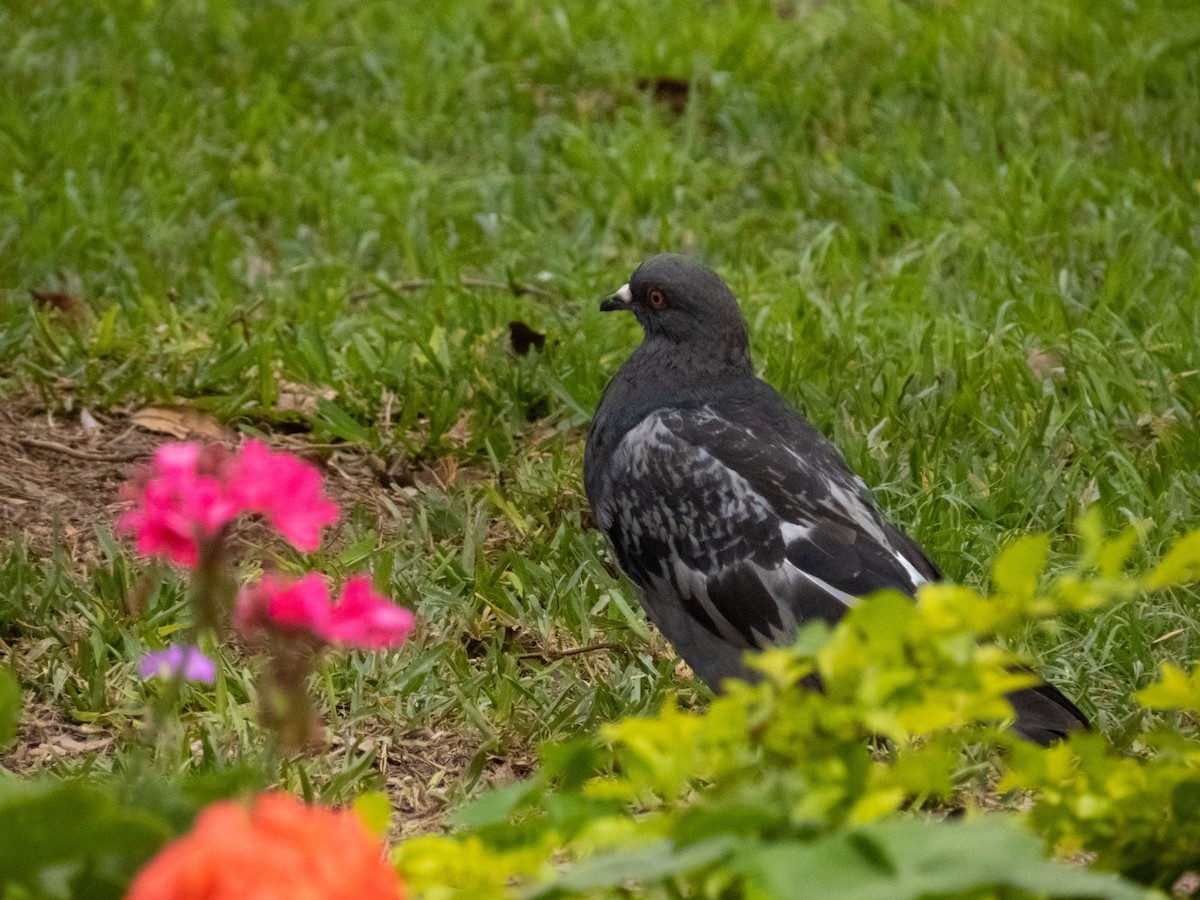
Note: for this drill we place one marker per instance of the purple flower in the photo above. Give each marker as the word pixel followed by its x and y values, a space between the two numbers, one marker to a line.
pixel 178 662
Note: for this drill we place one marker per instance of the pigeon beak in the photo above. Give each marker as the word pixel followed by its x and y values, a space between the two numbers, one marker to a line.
pixel 622 299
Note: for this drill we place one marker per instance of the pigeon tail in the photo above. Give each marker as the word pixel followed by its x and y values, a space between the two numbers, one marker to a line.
pixel 1045 715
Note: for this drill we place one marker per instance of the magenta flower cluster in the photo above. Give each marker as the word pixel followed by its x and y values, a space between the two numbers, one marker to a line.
pixel 360 618
pixel 184 503
pixel 189 493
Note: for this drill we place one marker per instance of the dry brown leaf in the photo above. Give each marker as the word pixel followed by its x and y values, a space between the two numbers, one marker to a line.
pixel 179 422
pixel 460 433
pixel 69 744
pixel 72 309
pixel 1188 885
pixel 539 433
pixel 1089 495
pixel 1045 364
pixel 522 338
pixel 671 92
pixel 1158 426
pixel 979 484
pixel 302 397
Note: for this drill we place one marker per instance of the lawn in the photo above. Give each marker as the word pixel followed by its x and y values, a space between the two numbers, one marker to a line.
pixel 965 236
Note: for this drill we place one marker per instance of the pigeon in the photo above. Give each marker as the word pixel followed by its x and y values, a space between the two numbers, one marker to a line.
pixel 737 520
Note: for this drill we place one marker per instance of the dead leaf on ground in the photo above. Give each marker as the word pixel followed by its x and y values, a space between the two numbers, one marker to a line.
pixel 978 484
pixel 73 310
pixel 1045 364
pixel 1089 495
pixel 1188 885
pixel 671 92
pixel 1158 426
pixel 72 746
pixel 302 397
pixel 179 422
pixel 445 472
pixel 460 433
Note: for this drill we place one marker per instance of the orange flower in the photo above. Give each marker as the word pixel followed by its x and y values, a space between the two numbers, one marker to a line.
pixel 280 848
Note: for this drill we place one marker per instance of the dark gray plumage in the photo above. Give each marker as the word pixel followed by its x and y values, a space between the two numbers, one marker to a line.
pixel 737 520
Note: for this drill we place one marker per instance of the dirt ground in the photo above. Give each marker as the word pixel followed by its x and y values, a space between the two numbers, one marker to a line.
pixel 59 477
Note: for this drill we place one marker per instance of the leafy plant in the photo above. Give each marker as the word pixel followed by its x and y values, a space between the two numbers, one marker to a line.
pixel 70 838
pixel 774 785
pixel 11 704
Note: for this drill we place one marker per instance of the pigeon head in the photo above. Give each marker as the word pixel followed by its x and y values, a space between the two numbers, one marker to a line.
pixel 681 302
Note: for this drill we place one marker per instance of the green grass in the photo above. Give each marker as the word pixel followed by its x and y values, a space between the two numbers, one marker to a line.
pixel 909 198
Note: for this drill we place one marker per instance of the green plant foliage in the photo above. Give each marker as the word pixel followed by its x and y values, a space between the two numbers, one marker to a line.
pixel 910 858
pixel 86 837
pixel 1139 813
pixel 69 838
pixel 774 786
pixel 11 704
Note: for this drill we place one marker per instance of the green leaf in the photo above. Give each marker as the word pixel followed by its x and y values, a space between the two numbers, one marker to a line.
pixel 1180 566
pixel 1091 535
pixel 573 761
pixel 1174 690
pixel 651 861
pixel 495 806
pixel 1017 568
pixel 339 422
pixel 375 811
pixel 914 858
pixel 704 822
pixel 63 826
pixel 1113 554
pixel 11 705
pixel 1185 802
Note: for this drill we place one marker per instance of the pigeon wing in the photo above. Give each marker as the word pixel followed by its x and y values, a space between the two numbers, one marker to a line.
pixel 739 531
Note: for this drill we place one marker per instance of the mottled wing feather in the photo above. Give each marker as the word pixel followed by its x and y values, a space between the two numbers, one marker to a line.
pixel 742 530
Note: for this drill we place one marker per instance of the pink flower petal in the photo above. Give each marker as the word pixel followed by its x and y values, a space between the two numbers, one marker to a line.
pixel 287 490
pixel 190 492
pixel 180 501
pixel 363 618
pixel 254 479
pixel 302 604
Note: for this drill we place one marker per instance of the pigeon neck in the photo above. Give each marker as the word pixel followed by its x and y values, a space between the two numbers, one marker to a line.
pixel 699 359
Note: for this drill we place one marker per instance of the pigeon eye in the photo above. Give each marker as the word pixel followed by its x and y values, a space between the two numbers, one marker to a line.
pixel 657 298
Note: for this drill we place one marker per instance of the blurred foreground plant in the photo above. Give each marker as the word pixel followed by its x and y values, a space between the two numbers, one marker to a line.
pixel 184 506
pixel 777 791
pixel 277 849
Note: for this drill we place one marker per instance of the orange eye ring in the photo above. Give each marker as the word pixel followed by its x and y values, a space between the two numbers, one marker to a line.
pixel 657 298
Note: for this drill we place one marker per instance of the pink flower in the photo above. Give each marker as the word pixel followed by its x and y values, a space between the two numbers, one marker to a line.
pixel 302 604
pixel 288 491
pixel 180 500
pixel 361 618
pixel 364 618
pixel 189 493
